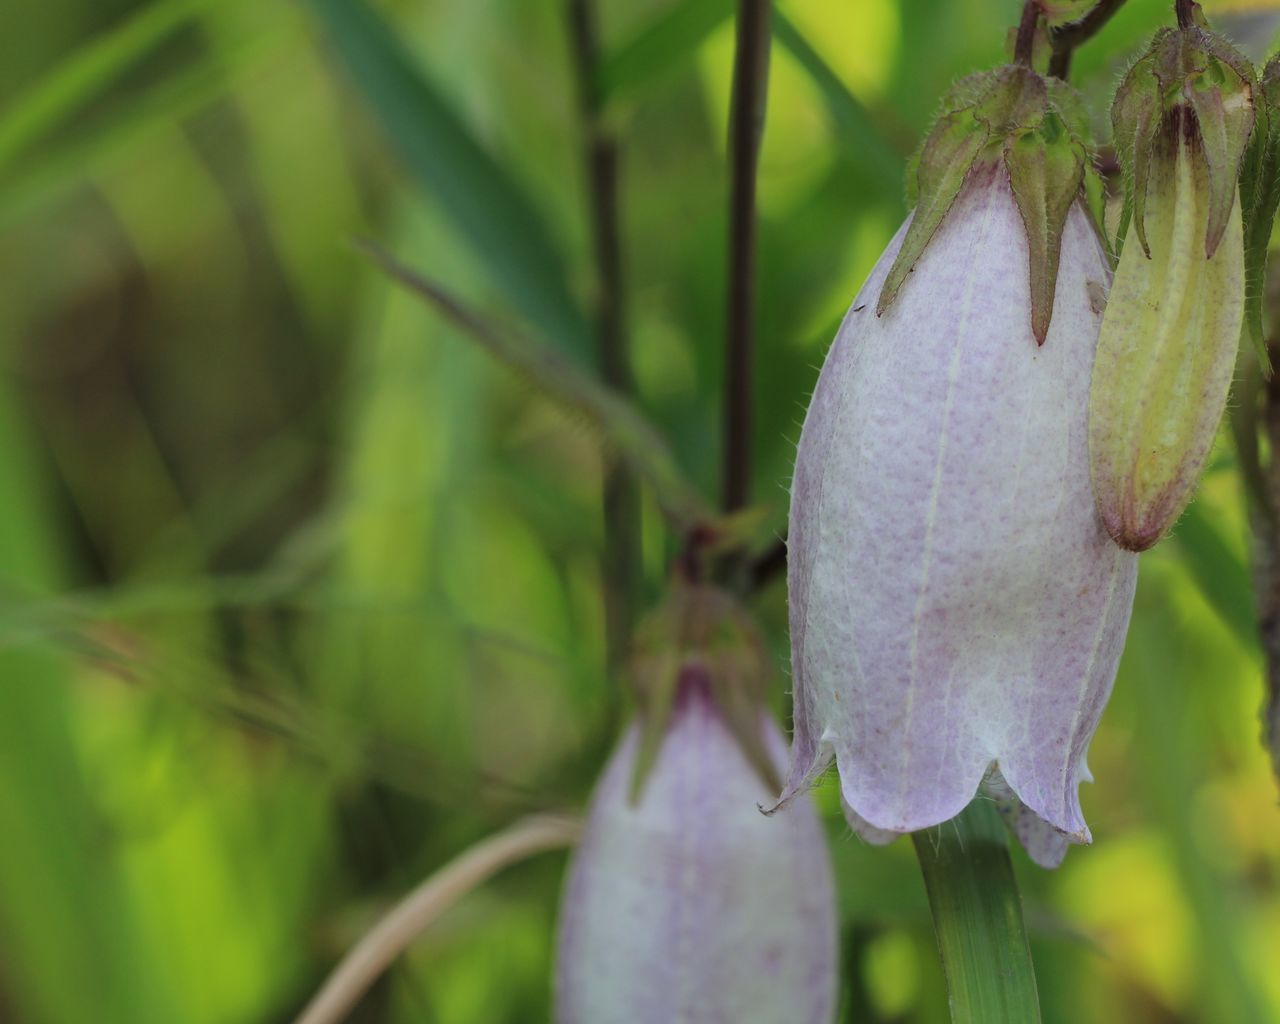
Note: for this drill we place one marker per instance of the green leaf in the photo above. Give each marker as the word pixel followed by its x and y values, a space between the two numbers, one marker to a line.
pixel 56 167
pixel 855 131
pixel 945 160
pixel 666 42
pixel 83 76
pixel 1046 169
pixel 619 423
pixel 1219 573
pixel 485 203
pixel 977 918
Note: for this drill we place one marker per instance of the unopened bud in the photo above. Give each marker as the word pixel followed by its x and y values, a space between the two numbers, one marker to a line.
pixel 688 904
pixel 1167 347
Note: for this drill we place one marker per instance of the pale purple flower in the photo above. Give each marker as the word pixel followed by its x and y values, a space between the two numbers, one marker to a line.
pixel 690 905
pixel 957 609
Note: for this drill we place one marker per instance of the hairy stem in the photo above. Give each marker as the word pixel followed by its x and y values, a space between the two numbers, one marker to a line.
pixel 746 125
pixel 1067 38
pixel 977 917
pixel 396 931
pixel 621 497
pixel 1025 43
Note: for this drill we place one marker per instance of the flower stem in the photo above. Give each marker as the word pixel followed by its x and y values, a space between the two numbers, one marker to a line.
pixel 977 917
pixel 395 932
pixel 1067 38
pixel 1025 43
pixel 1185 10
pixel 621 497
pixel 746 125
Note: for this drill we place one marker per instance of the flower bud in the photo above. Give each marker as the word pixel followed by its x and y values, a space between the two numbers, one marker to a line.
pixel 1167 348
pixel 957 610
pixel 687 904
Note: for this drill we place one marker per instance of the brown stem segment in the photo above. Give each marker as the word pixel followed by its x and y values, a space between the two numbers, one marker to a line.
pixel 1185 10
pixel 1258 416
pixel 746 125
pixel 1024 45
pixel 1066 38
pixel 621 498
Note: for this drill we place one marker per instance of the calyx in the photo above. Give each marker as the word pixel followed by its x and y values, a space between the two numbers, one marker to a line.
pixel 701 637
pixel 1037 129
pixel 1192 81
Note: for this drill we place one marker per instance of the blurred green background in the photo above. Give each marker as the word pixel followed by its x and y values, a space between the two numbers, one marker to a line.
pixel 301 592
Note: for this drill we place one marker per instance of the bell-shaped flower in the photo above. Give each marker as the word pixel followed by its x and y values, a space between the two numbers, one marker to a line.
pixel 957 609
pixel 683 902
pixel 1167 350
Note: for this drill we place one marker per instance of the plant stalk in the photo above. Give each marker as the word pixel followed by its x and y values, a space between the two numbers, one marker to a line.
pixel 378 949
pixel 746 126
pixel 621 495
pixel 1255 416
pixel 1067 38
pixel 977 917
pixel 1025 43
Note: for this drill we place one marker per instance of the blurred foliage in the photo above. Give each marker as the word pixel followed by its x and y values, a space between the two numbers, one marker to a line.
pixel 301 591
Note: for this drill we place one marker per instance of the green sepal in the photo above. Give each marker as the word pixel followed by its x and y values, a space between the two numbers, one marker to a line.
pixel 1184 69
pixel 1070 106
pixel 703 630
pixel 1259 200
pixel 1046 169
pixel 964 94
pixel 657 701
pixel 1095 197
pixel 945 161
pixel 1039 129
pixel 1135 119
pixel 1222 96
pixel 1018 99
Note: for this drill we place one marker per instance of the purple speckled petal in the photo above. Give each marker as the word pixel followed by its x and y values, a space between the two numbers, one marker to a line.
pixel 692 906
pixel 1044 844
pixel 955 601
pixel 863 828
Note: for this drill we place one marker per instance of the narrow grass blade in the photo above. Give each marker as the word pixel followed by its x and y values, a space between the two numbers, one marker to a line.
pixel 487 206
pixel 619 423
pixel 977 916
pixel 82 76
pixel 668 41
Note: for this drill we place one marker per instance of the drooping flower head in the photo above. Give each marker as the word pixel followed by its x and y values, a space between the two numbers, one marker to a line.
pixel 683 902
pixel 1183 117
pixel 957 609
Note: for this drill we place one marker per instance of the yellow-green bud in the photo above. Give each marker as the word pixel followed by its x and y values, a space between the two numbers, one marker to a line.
pixel 1167 346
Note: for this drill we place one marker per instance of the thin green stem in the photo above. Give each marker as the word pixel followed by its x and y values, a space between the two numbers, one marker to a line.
pixel 977 917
